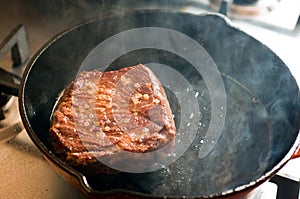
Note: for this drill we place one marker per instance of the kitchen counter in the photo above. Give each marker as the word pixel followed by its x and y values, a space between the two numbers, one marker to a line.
pixel 26 174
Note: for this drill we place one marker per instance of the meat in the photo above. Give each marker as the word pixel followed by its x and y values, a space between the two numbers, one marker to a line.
pixel 101 114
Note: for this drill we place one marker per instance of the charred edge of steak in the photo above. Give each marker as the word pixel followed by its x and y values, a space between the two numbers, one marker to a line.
pixel 100 114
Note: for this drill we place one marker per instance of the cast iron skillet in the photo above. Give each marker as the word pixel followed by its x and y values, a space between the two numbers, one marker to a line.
pixel 261 126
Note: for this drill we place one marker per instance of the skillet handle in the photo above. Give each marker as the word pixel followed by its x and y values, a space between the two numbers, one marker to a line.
pixel 16 43
pixel 296 153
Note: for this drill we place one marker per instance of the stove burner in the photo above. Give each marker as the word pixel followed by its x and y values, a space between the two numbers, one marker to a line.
pixel 5 103
pixel 244 8
pixel 11 125
pixel 5 99
pixel 16 42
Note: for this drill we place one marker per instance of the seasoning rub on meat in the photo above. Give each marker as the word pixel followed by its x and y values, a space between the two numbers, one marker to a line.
pixel 103 113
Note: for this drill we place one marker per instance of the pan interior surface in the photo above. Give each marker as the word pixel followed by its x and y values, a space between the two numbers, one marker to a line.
pixel 262 109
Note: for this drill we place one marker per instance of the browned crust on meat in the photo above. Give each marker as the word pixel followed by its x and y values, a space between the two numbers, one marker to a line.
pixel 101 114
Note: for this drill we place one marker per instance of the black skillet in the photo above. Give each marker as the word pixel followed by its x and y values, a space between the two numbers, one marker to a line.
pixel 260 128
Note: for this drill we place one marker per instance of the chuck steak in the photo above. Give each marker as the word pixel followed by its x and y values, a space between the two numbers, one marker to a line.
pixel 102 113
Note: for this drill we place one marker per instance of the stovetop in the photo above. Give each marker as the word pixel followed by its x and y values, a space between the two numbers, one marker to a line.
pixel 24 171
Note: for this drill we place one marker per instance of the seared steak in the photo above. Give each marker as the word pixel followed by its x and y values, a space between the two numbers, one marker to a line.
pixel 103 113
